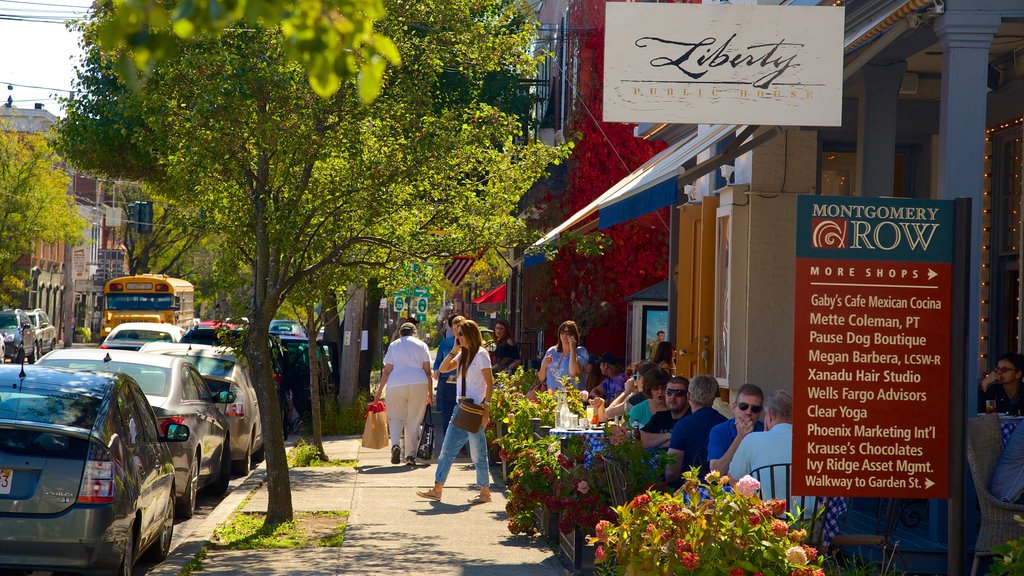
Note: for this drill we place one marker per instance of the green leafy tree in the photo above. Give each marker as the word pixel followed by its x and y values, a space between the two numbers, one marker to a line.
pixel 34 202
pixel 301 185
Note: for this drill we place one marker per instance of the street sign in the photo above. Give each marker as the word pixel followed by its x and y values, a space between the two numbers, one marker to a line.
pixel 872 347
pixel 421 318
pixel 399 303
pixel 421 292
pixel 420 306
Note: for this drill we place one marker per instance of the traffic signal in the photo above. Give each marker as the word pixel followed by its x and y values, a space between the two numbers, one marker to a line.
pixel 140 217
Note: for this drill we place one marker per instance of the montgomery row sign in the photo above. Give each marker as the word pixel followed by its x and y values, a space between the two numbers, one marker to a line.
pixel 871 365
pixel 722 64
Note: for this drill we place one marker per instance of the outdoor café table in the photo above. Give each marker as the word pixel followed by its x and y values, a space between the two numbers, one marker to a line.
pixel 1007 424
pixel 593 438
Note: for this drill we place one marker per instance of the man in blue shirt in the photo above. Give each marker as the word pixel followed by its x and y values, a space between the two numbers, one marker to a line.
pixel 688 446
pixel 446 393
pixel 1007 482
pixel 726 437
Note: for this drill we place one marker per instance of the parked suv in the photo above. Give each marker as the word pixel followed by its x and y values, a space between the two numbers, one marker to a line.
pixel 18 334
pixel 46 332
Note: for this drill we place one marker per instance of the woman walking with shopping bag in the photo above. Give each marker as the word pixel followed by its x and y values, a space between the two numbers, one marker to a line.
pixel 472 365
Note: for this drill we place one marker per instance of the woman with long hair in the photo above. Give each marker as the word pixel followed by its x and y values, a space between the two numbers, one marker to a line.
pixel 505 357
pixel 665 356
pixel 565 359
pixel 472 366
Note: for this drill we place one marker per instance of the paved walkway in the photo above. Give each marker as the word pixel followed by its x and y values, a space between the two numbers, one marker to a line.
pixel 390 529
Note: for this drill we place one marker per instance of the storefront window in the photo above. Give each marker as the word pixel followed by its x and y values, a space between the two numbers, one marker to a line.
pixel 1004 258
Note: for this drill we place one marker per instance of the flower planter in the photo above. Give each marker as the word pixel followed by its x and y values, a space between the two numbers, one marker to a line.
pixel 577 555
pixel 547 523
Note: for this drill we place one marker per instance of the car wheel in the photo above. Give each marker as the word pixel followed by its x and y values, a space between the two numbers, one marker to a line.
pixel 242 467
pixel 159 550
pixel 128 560
pixel 185 506
pixel 258 455
pixel 220 487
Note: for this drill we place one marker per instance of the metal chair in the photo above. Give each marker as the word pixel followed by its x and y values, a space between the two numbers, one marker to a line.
pixel 617 483
pixel 984 441
pixel 776 482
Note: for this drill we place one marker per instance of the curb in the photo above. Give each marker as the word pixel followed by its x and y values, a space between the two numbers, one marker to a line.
pixel 195 545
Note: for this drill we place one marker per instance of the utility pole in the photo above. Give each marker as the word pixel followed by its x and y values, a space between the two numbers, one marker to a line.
pixel 351 344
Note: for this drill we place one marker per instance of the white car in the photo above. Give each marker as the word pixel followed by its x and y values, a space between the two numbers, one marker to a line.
pixel 132 335
pixel 223 371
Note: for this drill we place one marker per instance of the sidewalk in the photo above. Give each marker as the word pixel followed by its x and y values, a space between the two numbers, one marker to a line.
pixel 390 529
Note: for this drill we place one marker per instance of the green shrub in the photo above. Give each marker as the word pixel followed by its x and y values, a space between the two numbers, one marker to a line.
pixel 84 334
pixel 1009 560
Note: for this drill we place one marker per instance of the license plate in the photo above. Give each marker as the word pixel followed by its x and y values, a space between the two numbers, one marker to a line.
pixel 6 478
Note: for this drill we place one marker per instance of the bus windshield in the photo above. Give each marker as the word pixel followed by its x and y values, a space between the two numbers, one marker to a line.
pixel 140 302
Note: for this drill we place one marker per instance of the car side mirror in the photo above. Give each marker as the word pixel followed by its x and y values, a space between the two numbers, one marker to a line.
pixel 176 433
pixel 224 397
pixel 26 326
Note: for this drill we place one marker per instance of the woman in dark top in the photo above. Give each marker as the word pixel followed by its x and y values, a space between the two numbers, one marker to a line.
pixel 664 356
pixel 1003 386
pixel 505 357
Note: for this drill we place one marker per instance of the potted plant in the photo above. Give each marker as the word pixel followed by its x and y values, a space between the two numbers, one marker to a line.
pixel 705 532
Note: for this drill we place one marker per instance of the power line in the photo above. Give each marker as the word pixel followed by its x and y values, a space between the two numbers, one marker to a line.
pixel 34 87
pixel 82 7
pixel 16 18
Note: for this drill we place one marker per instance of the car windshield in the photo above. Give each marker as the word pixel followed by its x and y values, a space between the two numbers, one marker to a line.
pixel 210 366
pixel 8 320
pixel 289 327
pixel 142 335
pixel 139 301
pixel 154 380
pixel 62 407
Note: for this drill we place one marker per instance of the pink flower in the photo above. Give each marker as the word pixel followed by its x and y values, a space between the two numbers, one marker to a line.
pixel 747 486
pixel 710 477
pixel 690 561
pixel 601 530
pixel 600 555
pixel 582 487
pixel 796 555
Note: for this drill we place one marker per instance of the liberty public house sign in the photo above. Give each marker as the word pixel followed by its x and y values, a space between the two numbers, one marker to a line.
pixel 721 64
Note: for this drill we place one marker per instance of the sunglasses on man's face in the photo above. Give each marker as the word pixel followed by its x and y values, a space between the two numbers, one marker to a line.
pixel 675 392
pixel 744 406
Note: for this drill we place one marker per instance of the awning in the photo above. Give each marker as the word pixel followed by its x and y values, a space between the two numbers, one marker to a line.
pixel 492 297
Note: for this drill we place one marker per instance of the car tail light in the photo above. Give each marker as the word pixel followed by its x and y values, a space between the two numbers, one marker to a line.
pixel 98 477
pixel 104 346
pixel 164 422
pixel 236 408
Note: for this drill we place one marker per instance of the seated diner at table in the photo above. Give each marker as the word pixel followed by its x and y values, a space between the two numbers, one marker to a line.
pixel 688 446
pixel 631 394
pixel 1002 386
pixel 654 382
pixel 658 430
pixel 614 381
pixel 564 360
pixel 726 437
pixel 1007 482
pixel 773 446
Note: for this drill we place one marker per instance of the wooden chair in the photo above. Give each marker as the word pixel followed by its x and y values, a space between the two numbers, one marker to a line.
pixel 984 444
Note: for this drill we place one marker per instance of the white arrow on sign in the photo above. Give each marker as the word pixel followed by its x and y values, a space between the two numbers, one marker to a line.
pixel 932 273
pixel 928 483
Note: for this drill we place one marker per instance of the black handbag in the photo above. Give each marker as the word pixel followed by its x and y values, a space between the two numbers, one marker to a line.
pixel 425 451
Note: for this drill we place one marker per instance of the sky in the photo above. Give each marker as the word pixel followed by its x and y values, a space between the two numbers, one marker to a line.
pixel 37 50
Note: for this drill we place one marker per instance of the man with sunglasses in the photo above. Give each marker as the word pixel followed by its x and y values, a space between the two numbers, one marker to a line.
pixel 688 446
pixel 658 430
pixel 726 437
pixel 773 446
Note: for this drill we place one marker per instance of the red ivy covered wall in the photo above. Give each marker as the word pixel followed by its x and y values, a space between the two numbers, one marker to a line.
pixel 590 290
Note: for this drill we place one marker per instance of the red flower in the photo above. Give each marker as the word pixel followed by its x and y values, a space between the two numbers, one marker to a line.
pixel 640 500
pixel 600 555
pixel 690 561
pixel 755 519
pixel 735 571
pixel 601 530
pixel 779 528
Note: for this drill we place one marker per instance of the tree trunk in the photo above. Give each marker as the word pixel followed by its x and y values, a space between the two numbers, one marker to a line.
pixel 351 344
pixel 279 506
pixel 332 331
pixel 314 383
pixel 371 323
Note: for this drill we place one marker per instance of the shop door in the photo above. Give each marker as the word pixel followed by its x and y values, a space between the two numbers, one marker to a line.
pixel 695 316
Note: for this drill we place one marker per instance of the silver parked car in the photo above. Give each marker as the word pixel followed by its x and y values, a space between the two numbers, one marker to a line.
pixel 86 479
pixel 223 371
pixel 179 396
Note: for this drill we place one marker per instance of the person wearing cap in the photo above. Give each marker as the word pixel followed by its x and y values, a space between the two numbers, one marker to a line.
pixel 615 377
pixel 409 383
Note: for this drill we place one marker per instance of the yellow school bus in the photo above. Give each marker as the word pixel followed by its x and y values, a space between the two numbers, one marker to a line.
pixel 148 298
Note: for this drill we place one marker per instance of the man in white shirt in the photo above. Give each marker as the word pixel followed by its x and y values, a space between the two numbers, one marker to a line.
pixel 407 376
